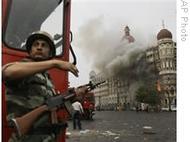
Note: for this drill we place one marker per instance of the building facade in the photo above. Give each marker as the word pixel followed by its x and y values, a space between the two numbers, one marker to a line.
pixel 111 94
pixel 116 92
pixel 163 58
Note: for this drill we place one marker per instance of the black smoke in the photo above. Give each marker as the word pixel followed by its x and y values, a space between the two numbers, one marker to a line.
pixel 113 57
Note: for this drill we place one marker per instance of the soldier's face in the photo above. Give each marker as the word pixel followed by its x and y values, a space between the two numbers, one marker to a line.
pixel 40 50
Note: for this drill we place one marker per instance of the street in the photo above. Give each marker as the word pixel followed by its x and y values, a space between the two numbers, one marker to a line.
pixel 126 126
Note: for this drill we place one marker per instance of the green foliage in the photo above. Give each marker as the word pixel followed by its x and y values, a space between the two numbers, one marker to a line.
pixel 141 94
pixel 147 95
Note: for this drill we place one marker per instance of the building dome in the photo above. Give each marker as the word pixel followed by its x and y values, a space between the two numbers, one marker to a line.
pixel 164 33
pixel 92 74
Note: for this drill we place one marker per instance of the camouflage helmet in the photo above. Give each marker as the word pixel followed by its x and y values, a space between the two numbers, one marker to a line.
pixel 44 36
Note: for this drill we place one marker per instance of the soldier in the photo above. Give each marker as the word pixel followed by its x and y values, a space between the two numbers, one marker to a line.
pixel 28 85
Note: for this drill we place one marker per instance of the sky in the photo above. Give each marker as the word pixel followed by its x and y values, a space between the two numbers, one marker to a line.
pixel 100 21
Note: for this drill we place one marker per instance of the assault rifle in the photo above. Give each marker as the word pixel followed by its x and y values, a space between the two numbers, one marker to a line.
pixel 90 86
pixel 24 123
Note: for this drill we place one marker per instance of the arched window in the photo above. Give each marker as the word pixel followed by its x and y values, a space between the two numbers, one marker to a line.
pixel 167 64
pixel 163 65
pixel 171 64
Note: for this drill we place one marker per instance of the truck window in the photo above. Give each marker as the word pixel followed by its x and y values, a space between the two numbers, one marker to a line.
pixel 28 16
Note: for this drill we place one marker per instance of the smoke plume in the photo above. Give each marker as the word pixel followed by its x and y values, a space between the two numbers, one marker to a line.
pixel 103 46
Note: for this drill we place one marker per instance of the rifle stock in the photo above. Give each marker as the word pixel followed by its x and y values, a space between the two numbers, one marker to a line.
pixel 24 123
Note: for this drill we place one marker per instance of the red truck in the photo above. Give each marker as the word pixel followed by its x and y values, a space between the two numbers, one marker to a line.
pixel 88 100
pixel 88 104
pixel 20 18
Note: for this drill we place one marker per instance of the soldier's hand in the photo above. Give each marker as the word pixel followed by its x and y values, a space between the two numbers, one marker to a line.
pixel 63 65
pixel 81 91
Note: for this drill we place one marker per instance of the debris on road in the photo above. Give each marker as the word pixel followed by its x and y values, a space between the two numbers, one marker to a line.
pixel 84 131
pixel 109 133
pixel 116 138
pixel 148 130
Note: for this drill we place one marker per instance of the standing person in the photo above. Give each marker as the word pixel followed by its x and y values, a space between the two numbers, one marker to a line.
pixel 28 85
pixel 78 110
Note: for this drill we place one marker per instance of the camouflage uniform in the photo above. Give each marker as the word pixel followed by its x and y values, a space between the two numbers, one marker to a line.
pixel 24 95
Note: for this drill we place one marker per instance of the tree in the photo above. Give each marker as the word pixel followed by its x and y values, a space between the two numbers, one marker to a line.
pixel 148 95
pixel 141 94
pixel 153 98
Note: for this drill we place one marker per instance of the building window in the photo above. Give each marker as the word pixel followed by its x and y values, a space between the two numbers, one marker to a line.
pixel 163 65
pixel 166 101
pixel 171 64
pixel 172 51
pixel 167 64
